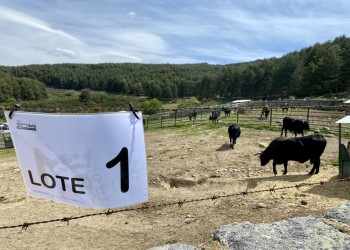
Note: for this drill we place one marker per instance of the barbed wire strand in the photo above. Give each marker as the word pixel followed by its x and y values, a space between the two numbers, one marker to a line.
pixel 178 203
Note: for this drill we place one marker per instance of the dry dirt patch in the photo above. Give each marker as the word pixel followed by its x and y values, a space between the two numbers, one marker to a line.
pixel 182 166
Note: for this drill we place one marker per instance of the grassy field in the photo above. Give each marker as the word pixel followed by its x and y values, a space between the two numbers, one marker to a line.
pixel 6 153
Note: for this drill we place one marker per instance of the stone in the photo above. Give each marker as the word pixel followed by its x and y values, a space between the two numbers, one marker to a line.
pixel 296 233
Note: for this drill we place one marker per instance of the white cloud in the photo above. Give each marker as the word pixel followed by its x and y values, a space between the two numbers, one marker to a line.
pixel 139 41
pixel 12 17
pixel 32 41
pixel 217 32
pixel 59 52
pixel 131 14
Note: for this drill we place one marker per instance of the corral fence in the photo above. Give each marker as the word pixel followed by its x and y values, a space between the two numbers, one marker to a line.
pixel 321 115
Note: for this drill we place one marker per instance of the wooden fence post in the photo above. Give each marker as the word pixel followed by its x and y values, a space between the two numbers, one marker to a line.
pixel 270 117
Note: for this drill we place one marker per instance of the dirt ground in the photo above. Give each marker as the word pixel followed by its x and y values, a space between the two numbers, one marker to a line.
pixel 183 165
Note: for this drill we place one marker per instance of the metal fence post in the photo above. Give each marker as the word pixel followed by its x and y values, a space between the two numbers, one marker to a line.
pixel 175 118
pixel 145 122
pixel 308 114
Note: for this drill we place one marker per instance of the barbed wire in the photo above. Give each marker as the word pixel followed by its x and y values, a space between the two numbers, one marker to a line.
pixel 178 203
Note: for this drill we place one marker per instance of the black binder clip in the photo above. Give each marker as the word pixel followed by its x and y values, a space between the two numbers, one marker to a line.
pixel 13 109
pixel 133 110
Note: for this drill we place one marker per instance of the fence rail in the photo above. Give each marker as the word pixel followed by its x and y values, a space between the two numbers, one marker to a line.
pixel 322 118
pixel 179 203
pixel 321 115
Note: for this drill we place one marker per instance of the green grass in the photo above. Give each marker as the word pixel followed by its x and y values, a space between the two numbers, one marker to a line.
pixel 7 153
pixel 334 162
pixel 206 128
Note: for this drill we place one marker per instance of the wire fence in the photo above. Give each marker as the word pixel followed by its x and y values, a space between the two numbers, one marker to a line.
pixel 179 203
pixel 321 115
pixel 321 118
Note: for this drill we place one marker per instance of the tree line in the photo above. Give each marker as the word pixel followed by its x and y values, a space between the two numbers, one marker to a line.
pixel 20 88
pixel 319 70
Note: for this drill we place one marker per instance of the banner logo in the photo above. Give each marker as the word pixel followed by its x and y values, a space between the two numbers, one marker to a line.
pixel 26 126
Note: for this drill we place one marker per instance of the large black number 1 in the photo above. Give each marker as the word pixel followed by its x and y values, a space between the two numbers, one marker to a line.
pixel 122 157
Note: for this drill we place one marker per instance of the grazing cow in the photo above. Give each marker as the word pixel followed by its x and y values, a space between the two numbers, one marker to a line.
pixel 265 111
pixel 285 107
pixel 227 111
pixel 193 115
pixel 282 149
pixel 297 126
pixel 214 116
pixel 234 131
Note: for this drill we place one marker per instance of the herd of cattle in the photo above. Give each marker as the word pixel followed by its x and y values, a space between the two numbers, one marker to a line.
pixel 284 149
pixel 215 113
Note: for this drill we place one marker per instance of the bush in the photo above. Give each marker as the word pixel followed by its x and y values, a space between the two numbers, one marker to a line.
pixel 191 102
pixel 85 95
pixel 10 101
pixel 152 106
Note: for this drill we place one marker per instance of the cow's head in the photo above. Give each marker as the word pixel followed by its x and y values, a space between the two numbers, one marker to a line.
pixel 264 159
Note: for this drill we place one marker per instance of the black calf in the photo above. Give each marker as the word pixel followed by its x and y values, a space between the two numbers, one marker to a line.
pixel 234 131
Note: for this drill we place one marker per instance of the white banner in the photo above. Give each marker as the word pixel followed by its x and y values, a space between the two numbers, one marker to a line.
pixel 89 160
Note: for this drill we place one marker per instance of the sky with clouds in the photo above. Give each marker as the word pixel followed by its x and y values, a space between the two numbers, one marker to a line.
pixel 164 31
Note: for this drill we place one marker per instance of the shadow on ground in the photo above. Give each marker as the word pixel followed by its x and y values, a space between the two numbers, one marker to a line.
pixel 334 188
pixel 224 147
pixel 253 182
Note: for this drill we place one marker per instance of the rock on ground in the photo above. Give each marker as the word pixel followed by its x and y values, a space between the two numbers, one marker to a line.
pixel 177 246
pixel 341 213
pixel 295 233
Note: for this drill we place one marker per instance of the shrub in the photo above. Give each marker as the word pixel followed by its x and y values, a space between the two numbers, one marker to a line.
pixel 152 106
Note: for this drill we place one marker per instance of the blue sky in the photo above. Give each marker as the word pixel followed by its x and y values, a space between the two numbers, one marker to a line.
pixel 164 31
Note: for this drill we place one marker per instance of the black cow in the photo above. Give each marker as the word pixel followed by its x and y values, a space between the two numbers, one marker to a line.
pixel 227 111
pixel 297 126
pixel 301 149
pixel 234 131
pixel 214 116
pixel 285 107
pixel 193 115
pixel 265 111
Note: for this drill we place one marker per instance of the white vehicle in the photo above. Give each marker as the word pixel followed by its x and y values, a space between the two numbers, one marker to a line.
pixel 4 126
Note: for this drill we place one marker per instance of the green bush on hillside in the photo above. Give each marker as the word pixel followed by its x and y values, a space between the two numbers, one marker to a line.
pixel 151 107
